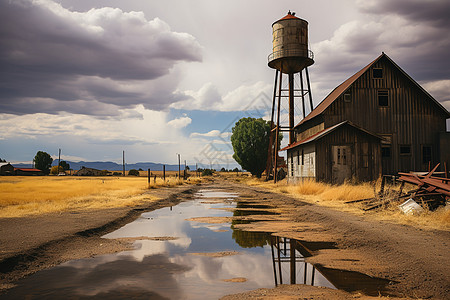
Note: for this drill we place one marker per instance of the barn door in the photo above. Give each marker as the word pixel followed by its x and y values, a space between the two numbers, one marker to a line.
pixel 341 166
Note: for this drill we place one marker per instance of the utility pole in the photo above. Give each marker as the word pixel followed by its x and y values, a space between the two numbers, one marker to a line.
pixel 179 167
pixel 59 159
pixel 123 162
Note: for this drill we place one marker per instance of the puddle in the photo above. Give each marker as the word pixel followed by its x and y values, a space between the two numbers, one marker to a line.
pixel 252 205
pixel 289 267
pixel 250 212
pixel 179 259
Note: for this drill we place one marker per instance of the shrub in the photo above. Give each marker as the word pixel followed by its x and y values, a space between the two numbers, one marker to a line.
pixel 133 172
pixel 207 172
pixel 54 170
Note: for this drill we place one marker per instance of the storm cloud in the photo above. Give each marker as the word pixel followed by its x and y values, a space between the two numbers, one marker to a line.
pixel 436 12
pixel 95 62
pixel 413 33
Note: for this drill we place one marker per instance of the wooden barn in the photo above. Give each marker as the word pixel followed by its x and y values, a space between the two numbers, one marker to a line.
pixel 27 172
pixel 378 121
pixel 6 169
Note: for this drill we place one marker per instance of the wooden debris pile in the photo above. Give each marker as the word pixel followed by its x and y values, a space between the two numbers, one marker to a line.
pixel 429 191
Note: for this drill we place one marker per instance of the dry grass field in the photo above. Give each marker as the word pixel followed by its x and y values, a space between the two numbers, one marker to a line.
pixel 336 196
pixel 23 195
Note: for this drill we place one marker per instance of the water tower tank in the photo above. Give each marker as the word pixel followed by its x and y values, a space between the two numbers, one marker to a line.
pixel 290 52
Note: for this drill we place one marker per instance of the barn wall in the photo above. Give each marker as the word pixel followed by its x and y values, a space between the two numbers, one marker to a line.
pixel 349 136
pixel 410 118
pixel 301 169
pixel 309 132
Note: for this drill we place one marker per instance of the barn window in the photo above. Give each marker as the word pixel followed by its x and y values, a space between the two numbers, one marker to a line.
pixel 303 157
pixel 377 73
pixel 426 154
pixel 347 96
pixel 339 156
pixel 405 149
pixel 386 151
pixel 383 98
pixel 298 157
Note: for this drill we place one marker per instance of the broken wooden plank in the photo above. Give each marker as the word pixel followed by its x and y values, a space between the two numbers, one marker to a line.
pixel 359 200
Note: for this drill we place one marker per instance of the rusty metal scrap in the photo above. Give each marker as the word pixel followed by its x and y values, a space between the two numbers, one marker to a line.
pixel 430 192
pixel 428 183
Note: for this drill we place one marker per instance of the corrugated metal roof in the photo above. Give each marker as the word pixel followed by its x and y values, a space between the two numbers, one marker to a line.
pixel 324 132
pixel 28 169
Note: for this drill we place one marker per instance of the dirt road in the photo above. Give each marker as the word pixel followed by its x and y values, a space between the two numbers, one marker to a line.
pixel 415 261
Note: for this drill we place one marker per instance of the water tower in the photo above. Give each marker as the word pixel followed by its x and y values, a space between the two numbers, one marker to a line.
pixel 290 56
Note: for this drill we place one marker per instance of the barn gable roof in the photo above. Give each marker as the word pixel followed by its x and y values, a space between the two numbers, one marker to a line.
pixel 326 131
pixel 27 169
pixel 340 89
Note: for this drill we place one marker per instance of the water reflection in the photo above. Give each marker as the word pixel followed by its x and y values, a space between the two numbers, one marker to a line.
pixel 249 239
pixel 288 262
pixel 289 266
pixel 166 269
pixel 161 269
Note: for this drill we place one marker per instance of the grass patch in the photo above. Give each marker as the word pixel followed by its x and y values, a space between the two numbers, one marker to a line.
pixel 23 195
pixel 336 195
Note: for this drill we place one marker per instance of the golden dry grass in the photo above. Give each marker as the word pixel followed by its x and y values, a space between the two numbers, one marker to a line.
pixel 23 196
pixel 336 195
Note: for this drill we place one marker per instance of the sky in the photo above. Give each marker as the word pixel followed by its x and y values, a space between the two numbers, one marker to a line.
pixel 160 78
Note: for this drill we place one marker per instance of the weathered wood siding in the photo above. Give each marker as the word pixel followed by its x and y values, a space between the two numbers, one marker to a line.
pixel 309 132
pixel 301 163
pixel 410 117
pixel 349 136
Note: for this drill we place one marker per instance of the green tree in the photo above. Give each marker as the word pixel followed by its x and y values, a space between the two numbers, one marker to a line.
pixel 43 161
pixel 250 140
pixel 133 172
pixel 64 165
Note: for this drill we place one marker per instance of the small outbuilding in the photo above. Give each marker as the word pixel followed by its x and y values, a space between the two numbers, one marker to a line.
pixel 90 172
pixel 27 172
pixel 334 154
pixel 6 169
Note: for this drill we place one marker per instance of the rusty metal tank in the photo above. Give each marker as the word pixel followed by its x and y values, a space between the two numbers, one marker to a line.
pixel 290 52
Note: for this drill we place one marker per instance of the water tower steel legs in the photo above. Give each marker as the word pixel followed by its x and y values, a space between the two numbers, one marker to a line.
pixel 277 132
pixel 276 128
pixel 291 108
pixel 303 95
pixel 269 163
pixel 309 89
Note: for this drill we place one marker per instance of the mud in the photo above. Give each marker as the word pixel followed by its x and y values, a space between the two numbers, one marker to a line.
pixel 413 262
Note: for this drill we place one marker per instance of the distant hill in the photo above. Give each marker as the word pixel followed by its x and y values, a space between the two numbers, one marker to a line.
pixel 112 166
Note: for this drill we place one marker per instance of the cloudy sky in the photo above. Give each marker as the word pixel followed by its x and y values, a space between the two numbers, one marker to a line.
pixel 157 78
